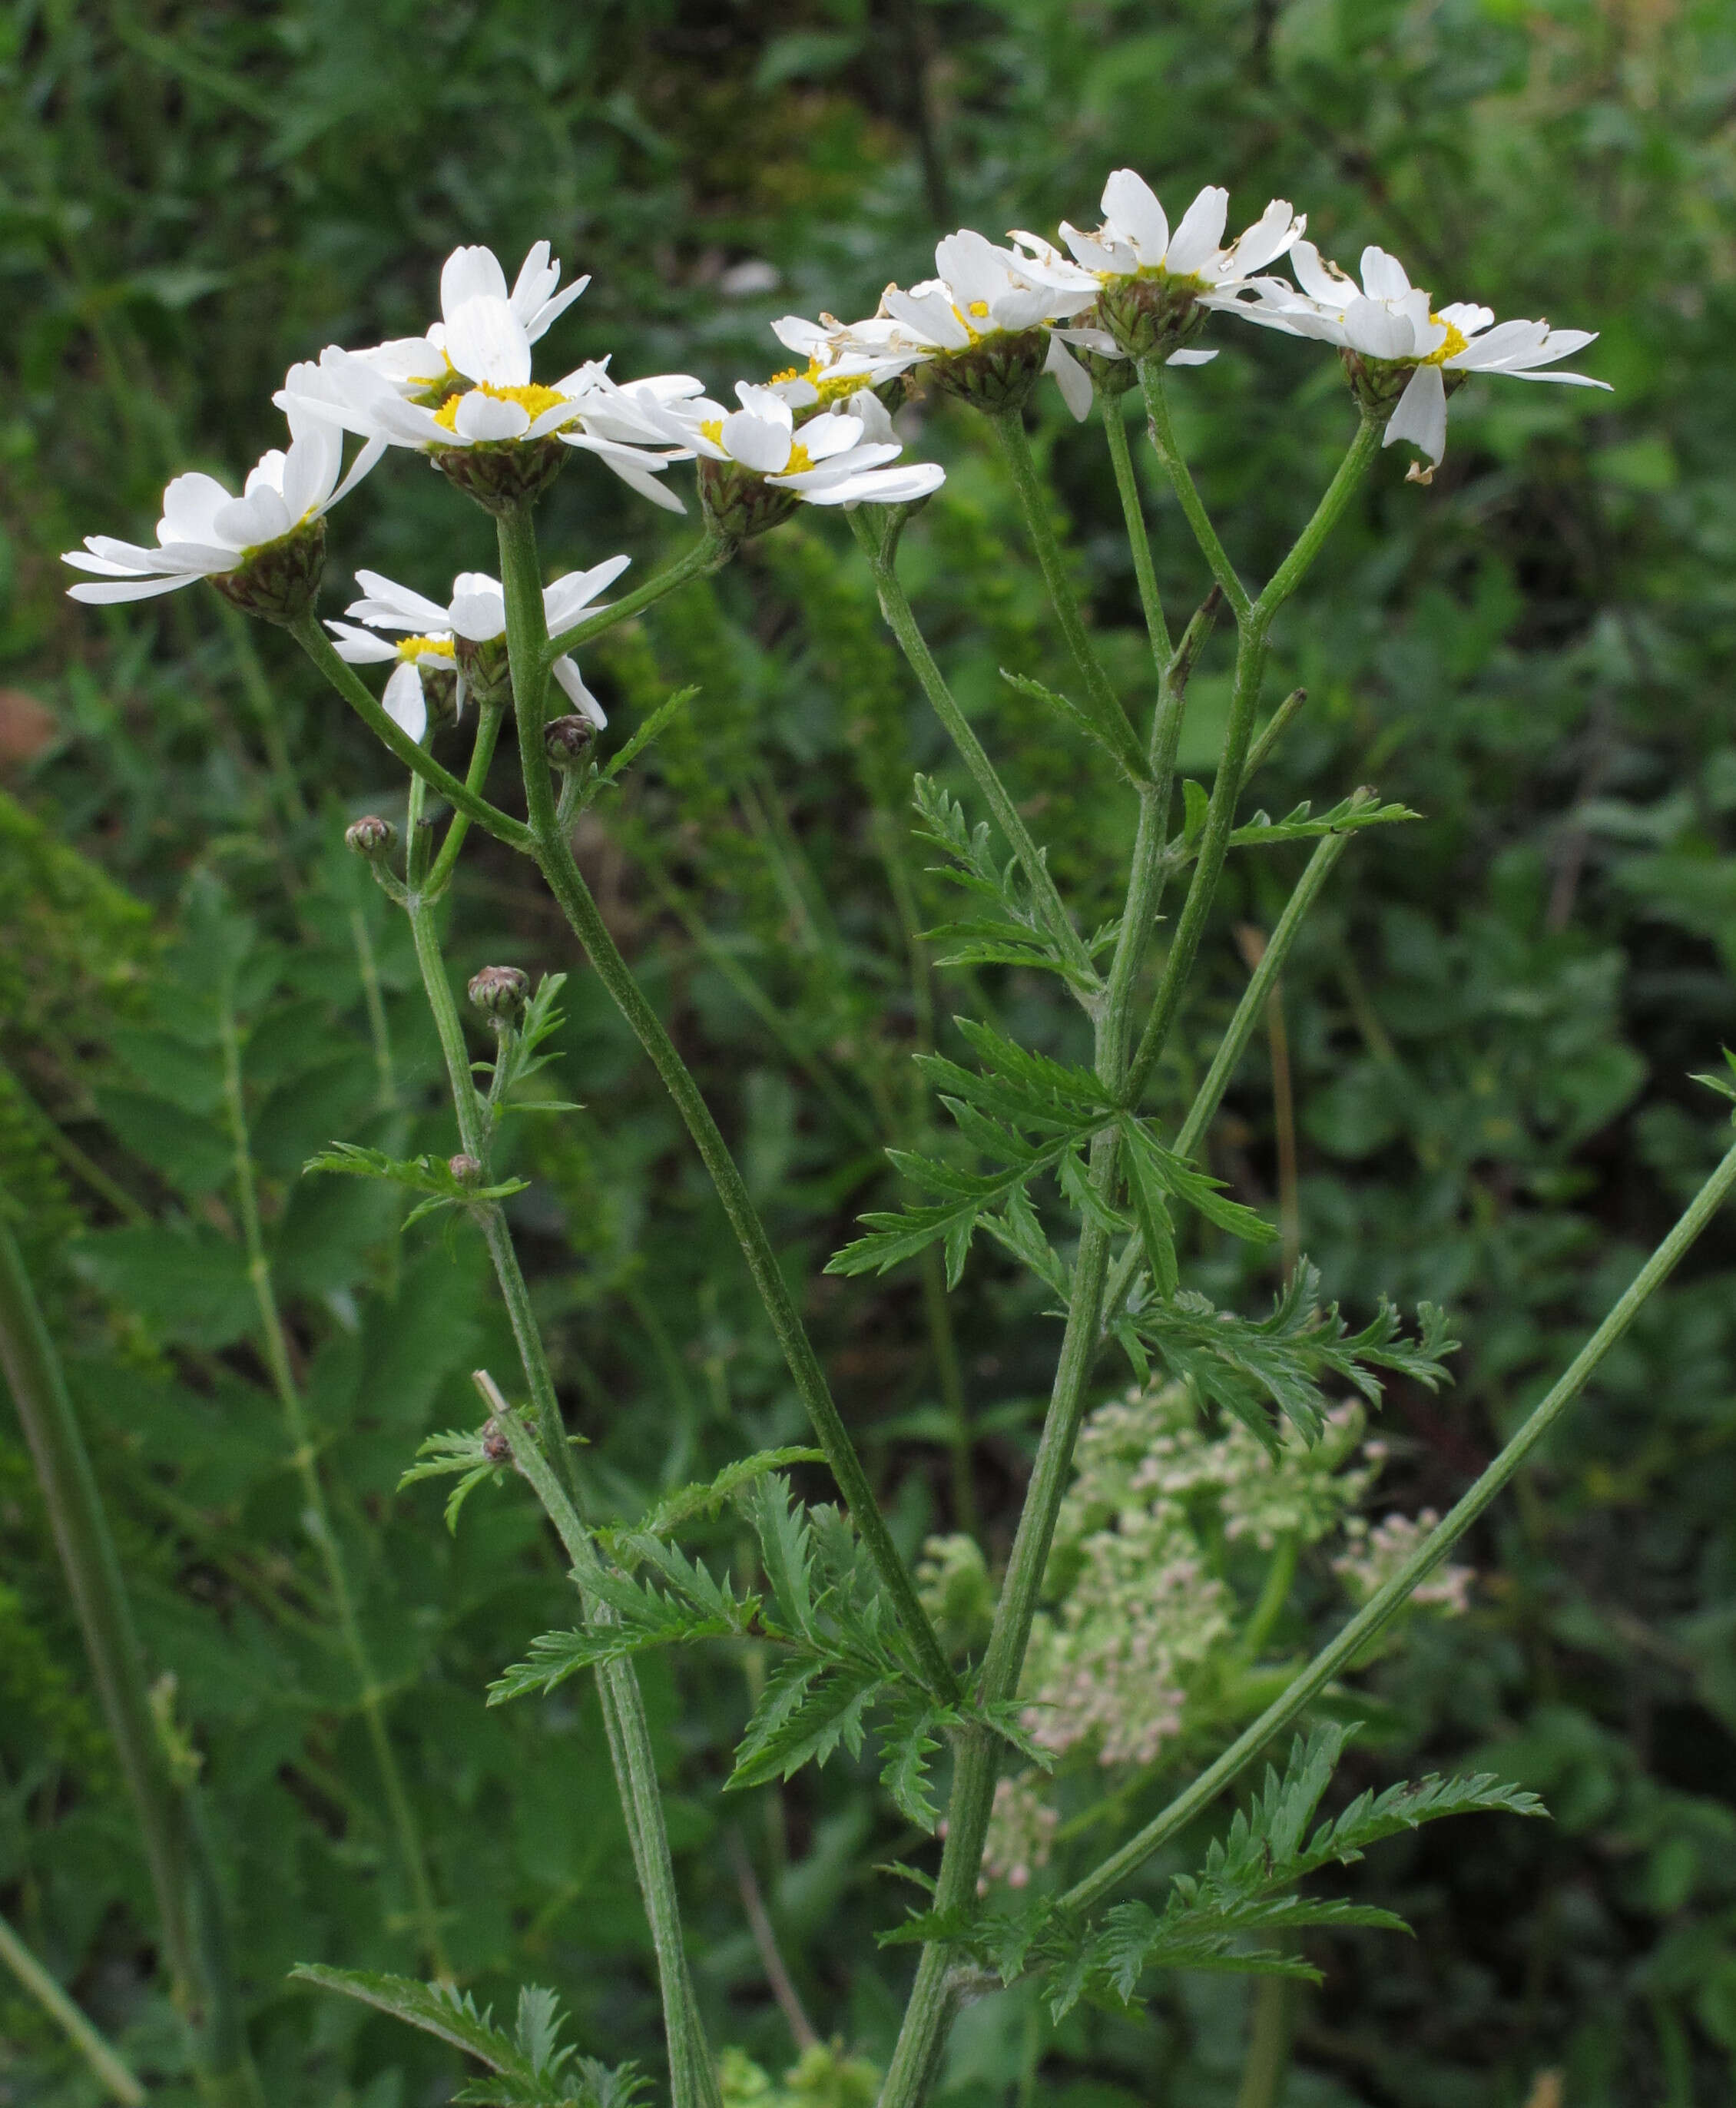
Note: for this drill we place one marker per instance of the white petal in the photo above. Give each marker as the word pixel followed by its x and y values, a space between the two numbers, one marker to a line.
pixel 1071 378
pixel 807 339
pixel 1097 255
pixel 757 443
pixel 478 608
pixel 1319 278
pixel 310 468
pixel 1190 358
pixel 973 267
pixel 358 468
pixel 190 504
pixel 1370 327
pixel 486 341
pixel 930 316
pixel 883 486
pixel 551 310
pixel 872 415
pixel 567 597
pixel 482 417
pixel 1466 317
pixel 764 404
pixel 389 605
pixel 1022 307
pixel 835 434
pixel 534 282
pixel 631 469
pixel 403 701
pixel 568 674
pixel 246 522
pixel 1130 206
pixel 119 589
pixel 361 647
pixel 470 274
pixel 1197 238
pixel 1421 414
pixel 1272 233
pixel 1383 277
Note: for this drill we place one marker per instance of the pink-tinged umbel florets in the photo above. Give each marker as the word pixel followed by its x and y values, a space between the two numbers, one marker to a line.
pixel 1404 356
pixel 265 547
pixel 458 651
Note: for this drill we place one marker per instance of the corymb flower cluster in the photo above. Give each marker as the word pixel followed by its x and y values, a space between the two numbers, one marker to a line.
pixel 1093 314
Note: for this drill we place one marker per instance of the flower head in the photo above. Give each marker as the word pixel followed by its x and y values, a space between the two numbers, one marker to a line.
pixel 262 550
pixel 1404 356
pixel 979 328
pixel 1155 285
pixel 460 649
pixel 463 392
pixel 755 468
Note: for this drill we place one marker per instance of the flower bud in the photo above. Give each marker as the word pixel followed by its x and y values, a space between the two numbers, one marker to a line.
pixel 495 1446
pixel 278 581
pixel 372 837
pixel 503 474
pixel 568 739
pixel 465 1169
pixel 500 992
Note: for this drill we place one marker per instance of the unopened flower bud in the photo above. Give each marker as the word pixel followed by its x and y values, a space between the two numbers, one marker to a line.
pixel 500 992
pixel 495 1446
pixel 464 1169
pixel 488 673
pixel 568 739
pixel 371 837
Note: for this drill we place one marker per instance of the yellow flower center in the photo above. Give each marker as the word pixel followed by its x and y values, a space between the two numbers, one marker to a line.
pixel 534 397
pixel 799 460
pixel 427 647
pixel 979 308
pixel 1454 341
pixel 712 429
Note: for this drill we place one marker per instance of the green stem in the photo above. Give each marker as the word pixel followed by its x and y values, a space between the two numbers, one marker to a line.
pixel 618 1685
pixel 527 645
pixel 1253 625
pixel 1175 467
pixel 922 2036
pixel 1386 1603
pixel 709 554
pixel 1248 1012
pixel 476 775
pixel 317 1518
pixel 1133 514
pixel 902 622
pixel 416 757
pixel 67 2017
pixel 692 2073
pixel 1106 706
pixel 1280 1577
pixel 1268 2044
pixel 566 883
pixel 196 1955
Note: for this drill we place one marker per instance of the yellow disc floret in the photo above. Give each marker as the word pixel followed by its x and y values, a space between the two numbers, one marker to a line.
pixel 533 398
pixel 1452 345
pixel 799 462
pixel 414 648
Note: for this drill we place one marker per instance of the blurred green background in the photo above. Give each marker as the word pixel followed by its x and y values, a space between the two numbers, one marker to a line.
pixel 1491 1021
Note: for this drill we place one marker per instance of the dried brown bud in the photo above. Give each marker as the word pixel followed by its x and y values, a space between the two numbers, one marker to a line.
pixel 465 1169
pixel 568 739
pixel 371 837
pixel 501 993
pixel 495 1446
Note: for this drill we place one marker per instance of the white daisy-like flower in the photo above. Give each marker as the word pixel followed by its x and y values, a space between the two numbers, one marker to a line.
pixel 1154 285
pixel 432 641
pixel 755 467
pixel 467 383
pixel 206 532
pixel 977 326
pixel 1408 354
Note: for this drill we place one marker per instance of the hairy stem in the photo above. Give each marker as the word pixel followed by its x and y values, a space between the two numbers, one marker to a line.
pixel 475 777
pixel 316 1514
pixel 692 2075
pixel 1385 1604
pixel 708 554
pixel 1106 706
pixel 1175 467
pixel 1133 514
pixel 196 1953
pixel 1234 1044
pixel 902 622
pixel 527 643
pixel 416 757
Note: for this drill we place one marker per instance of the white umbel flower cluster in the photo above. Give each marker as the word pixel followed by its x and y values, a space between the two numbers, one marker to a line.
pixel 1141 1608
